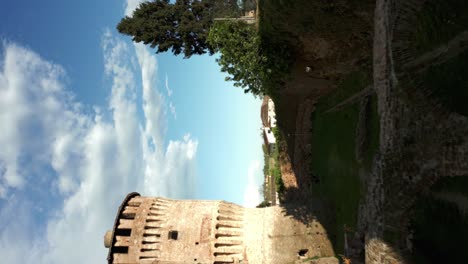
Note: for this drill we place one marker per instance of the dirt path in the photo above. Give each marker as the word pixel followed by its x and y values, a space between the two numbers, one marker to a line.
pixel 353 99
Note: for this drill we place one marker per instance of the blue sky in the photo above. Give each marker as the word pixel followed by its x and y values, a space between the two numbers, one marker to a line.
pixel 87 116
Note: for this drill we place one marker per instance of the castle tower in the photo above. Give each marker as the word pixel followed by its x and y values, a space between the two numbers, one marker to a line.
pixel 154 230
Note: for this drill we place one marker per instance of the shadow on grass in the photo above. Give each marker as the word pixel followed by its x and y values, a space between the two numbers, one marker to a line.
pixel 437 22
pixel 332 191
pixel 440 223
pixel 448 83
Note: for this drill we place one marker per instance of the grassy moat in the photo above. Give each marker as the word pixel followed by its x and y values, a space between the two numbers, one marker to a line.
pixel 341 174
pixel 429 199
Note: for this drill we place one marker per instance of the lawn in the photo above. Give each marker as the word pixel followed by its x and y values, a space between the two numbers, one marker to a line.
pixel 448 82
pixel 440 227
pixel 438 22
pixel 350 85
pixel 333 154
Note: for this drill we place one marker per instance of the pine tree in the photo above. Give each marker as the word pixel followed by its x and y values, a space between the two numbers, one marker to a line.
pixel 181 27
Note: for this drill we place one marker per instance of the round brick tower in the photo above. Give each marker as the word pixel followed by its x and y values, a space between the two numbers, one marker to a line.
pixel 158 230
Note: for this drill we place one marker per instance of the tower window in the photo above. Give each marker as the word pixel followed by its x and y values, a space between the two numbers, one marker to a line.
pixel 302 252
pixel 173 235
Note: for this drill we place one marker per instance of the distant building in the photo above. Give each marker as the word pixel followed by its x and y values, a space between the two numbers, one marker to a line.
pixel 268 116
pixel 270 140
pixel 248 18
pixel 268 113
pixel 271 113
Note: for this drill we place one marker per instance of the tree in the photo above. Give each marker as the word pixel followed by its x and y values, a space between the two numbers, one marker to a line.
pixel 239 45
pixel 263 204
pixel 225 8
pixel 181 27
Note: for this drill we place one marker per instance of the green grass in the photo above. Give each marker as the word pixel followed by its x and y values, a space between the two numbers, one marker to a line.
pixel 441 231
pixel 438 22
pixel 279 184
pixel 448 82
pixel 275 170
pixel 452 184
pixel 333 154
pixel 350 85
pixel 335 164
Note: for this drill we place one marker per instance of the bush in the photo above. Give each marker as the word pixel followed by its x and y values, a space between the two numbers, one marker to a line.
pixel 276 172
pixel 263 204
pixel 258 65
pixel 238 44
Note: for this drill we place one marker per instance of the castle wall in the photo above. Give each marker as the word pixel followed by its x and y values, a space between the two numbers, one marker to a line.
pixel 272 237
pixel 157 230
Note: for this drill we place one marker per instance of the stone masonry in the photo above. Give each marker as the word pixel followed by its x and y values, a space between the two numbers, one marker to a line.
pixel 158 230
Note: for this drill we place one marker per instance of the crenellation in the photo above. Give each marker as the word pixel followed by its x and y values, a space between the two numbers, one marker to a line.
pixel 227 232
pixel 227 223
pixel 129 212
pixel 229 241
pixel 150 247
pixel 151 239
pixel 121 258
pixel 145 254
pixel 135 201
pixel 229 217
pixel 152 224
pixel 122 241
pixel 152 232
pixel 154 218
pixel 125 223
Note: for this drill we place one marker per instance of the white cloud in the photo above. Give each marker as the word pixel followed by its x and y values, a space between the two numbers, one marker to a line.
pixel 173 110
pixel 132 5
pixel 36 112
pixel 153 103
pixel 173 170
pixel 79 163
pixel 169 93
pixel 18 229
pixel 166 84
pixel 252 196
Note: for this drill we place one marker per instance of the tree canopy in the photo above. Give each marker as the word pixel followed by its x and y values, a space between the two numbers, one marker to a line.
pixel 188 27
pixel 238 44
pixel 181 27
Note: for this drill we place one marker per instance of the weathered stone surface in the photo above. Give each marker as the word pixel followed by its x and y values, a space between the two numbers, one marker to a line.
pixel 324 260
pixel 420 142
pixel 186 231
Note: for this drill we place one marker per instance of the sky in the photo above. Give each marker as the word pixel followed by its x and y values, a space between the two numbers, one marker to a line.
pixel 87 116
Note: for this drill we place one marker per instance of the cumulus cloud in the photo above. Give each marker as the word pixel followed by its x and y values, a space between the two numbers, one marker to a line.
pixel 38 118
pixel 252 196
pixel 65 167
